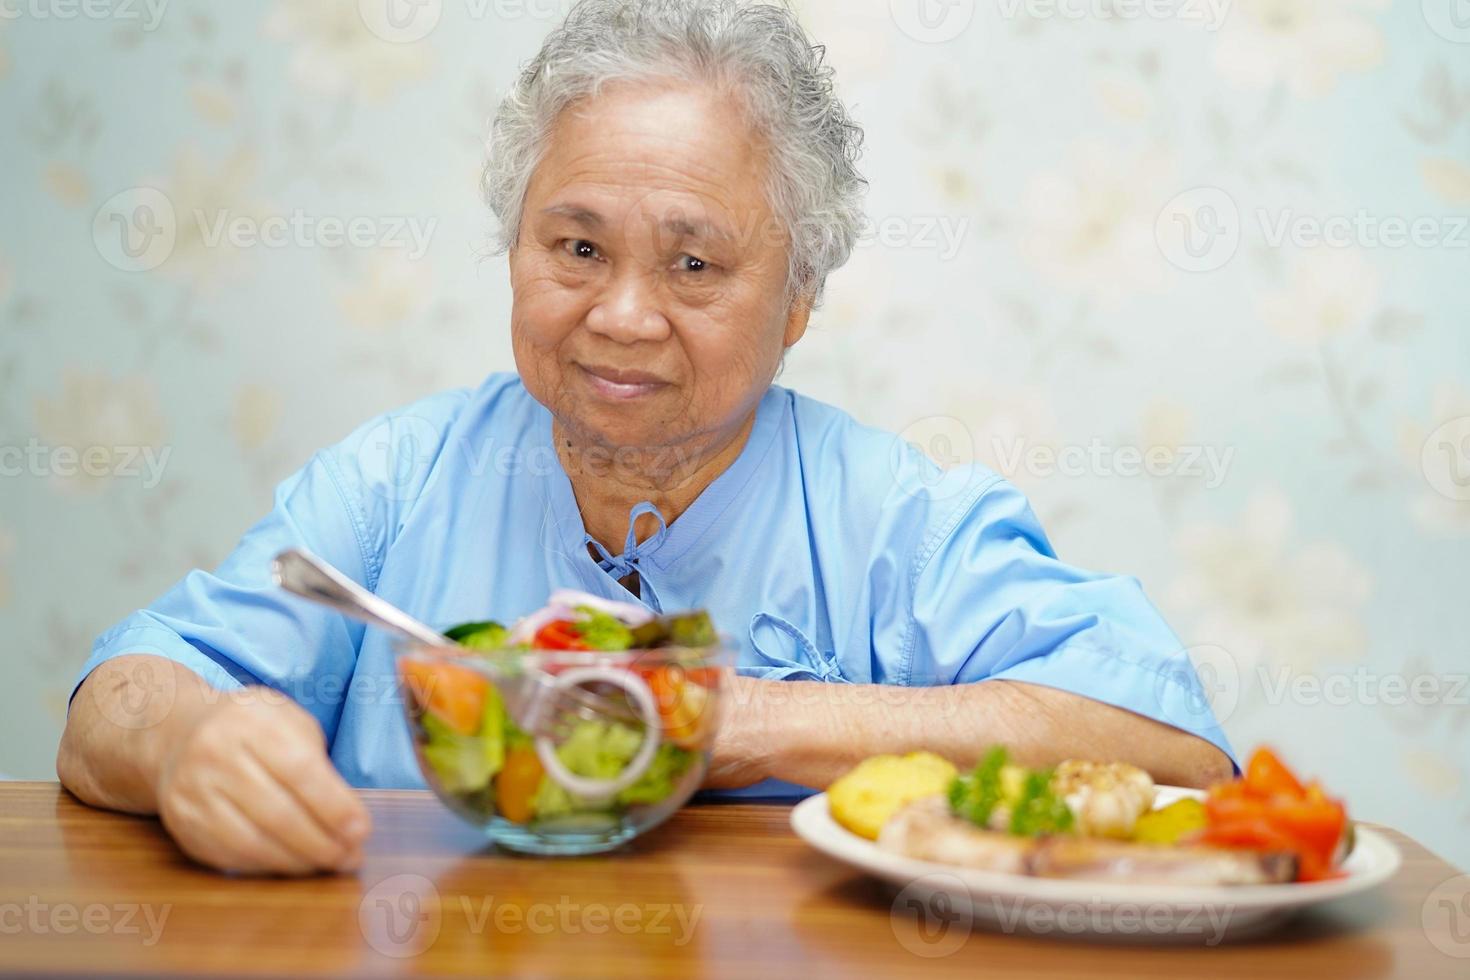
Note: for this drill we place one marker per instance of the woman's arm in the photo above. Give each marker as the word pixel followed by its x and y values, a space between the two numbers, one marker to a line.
pixel 241 779
pixel 810 733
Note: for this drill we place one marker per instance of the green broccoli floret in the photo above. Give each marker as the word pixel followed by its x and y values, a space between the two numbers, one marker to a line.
pixel 1024 797
pixel 976 796
pixel 1038 810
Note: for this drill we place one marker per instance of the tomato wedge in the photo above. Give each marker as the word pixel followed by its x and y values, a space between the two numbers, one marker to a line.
pixel 560 634
pixel 1258 834
pixel 1316 826
pixel 1270 810
pixel 1231 804
pixel 1266 775
pixel 453 694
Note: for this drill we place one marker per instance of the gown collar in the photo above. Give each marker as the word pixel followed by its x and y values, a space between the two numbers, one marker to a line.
pixel 671 541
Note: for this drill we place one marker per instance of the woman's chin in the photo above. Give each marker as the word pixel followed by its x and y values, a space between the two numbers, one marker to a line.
pixel 616 429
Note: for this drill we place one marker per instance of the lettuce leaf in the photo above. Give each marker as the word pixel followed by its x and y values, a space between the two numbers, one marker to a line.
pixel 459 761
pixel 602 631
pixel 602 750
pixel 466 763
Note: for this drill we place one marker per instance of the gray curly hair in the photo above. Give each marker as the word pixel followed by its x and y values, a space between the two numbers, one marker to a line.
pixel 755 48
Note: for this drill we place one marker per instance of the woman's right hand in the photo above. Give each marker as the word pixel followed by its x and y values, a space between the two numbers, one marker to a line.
pixel 246 786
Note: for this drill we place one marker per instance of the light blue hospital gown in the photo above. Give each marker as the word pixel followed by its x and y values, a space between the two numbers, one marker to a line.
pixel 828 551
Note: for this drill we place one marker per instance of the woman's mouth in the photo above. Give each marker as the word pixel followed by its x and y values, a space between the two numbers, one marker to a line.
pixel 620 385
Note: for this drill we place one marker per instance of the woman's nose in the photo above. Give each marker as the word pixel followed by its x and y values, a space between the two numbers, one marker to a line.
pixel 626 312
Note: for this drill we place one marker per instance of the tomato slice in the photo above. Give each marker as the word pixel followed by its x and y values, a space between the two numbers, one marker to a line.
pixel 453 694
pixel 560 634
pixel 1266 775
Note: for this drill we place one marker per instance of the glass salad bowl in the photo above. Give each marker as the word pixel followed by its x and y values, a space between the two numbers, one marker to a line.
pixel 572 732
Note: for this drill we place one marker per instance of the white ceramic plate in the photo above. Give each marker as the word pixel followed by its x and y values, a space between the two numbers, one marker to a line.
pixel 1095 910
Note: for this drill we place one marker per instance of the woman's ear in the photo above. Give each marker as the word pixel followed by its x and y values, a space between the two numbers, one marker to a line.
pixel 797 317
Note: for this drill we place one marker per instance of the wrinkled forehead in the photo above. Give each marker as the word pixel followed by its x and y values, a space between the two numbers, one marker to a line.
pixel 679 161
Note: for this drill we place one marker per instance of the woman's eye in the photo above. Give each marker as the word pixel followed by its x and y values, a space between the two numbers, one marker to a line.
pixel 690 263
pixel 581 248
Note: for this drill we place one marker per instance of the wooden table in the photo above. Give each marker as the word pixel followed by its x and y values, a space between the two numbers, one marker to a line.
pixel 723 890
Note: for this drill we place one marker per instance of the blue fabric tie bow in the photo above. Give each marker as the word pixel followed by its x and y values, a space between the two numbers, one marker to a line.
pixel 625 564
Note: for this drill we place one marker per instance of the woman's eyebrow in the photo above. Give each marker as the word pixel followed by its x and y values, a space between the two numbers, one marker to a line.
pixel 676 223
pixel 583 216
pixel 698 229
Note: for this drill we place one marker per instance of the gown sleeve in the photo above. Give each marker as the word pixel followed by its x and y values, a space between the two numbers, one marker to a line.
pixel 990 600
pixel 234 627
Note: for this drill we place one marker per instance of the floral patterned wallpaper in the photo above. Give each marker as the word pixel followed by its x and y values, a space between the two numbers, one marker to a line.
pixel 1194 274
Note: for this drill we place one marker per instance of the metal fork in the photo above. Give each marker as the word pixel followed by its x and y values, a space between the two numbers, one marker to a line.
pixel 533 697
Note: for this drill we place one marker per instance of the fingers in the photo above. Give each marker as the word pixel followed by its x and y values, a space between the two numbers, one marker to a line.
pixel 304 770
pixel 251 789
pixel 219 835
pixel 278 814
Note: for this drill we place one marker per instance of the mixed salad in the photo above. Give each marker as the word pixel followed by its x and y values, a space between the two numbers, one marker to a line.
pixel 478 754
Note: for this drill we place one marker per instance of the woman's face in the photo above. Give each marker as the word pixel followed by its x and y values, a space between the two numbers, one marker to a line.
pixel 649 279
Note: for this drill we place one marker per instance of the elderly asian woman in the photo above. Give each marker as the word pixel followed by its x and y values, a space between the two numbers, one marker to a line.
pixel 675 180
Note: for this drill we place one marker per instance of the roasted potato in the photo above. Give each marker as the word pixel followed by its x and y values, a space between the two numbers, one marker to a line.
pixel 875 789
